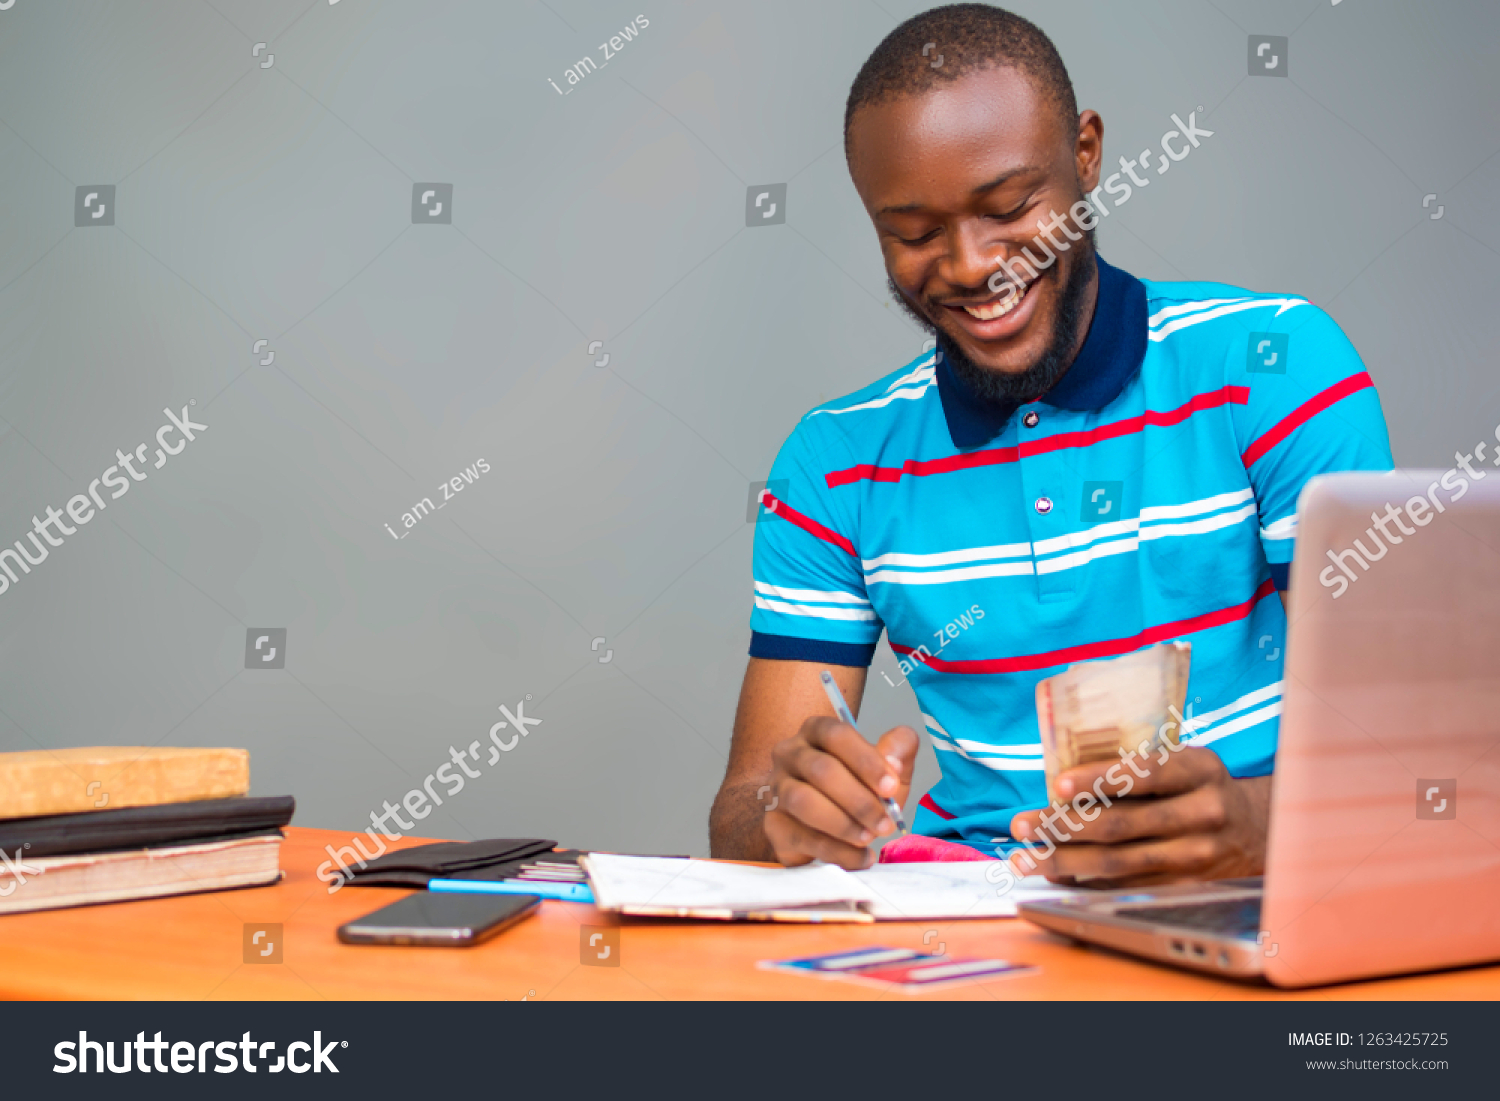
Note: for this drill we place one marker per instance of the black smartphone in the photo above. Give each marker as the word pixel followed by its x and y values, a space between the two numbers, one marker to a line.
pixel 433 918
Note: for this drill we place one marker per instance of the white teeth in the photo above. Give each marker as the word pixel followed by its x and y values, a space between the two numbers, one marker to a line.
pixel 999 308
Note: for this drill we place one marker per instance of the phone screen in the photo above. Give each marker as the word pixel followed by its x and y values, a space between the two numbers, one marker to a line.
pixel 428 917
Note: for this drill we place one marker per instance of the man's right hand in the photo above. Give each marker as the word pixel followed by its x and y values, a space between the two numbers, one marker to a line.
pixel 829 786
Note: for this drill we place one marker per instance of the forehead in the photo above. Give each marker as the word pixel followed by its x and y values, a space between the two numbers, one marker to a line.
pixel 981 124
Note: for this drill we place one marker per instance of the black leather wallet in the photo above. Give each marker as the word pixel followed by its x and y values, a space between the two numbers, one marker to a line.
pixel 512 869
pixel 447 860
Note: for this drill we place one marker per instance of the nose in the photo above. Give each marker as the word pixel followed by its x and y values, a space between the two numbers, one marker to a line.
pixel 971 255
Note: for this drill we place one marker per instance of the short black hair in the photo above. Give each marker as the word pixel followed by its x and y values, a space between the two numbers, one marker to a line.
pixel 964 38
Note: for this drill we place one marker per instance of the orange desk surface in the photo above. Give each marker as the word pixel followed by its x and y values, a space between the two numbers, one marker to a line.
pixel 191 947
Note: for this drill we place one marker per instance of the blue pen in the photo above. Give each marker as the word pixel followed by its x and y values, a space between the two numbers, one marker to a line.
pixel 567 892
pixel 841 709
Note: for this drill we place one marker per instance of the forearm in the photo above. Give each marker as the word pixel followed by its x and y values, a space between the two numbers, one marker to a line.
pixel 777 698
pixel 735 824
pixel 1258 789
pixel 1257 792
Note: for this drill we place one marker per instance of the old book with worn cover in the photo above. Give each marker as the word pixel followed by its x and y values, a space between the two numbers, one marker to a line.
pixel 49 882
pixel 64 781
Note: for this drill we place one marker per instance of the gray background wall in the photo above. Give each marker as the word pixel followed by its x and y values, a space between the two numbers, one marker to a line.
pixel 275 202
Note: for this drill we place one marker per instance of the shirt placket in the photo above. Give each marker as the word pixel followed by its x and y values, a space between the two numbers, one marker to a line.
pixel 1045 481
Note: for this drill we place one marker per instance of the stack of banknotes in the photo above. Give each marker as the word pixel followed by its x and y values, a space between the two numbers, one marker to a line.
pixel 1095 709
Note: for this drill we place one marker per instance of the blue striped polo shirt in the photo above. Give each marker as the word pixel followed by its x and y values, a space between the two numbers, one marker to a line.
pixel 1149 496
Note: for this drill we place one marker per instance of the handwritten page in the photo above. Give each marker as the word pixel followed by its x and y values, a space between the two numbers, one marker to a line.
pixel 888 892
pixel 948 890
pixel 662 884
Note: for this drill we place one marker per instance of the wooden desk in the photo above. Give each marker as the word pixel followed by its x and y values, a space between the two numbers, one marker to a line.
pixel 191 947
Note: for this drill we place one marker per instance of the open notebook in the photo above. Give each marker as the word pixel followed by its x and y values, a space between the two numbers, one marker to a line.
pixel 661 886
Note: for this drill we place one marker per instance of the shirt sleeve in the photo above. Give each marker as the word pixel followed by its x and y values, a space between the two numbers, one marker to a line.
pixel 1312 410
pixel 810 598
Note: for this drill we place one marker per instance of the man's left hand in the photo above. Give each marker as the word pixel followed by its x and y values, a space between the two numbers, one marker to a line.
pixel 1186 819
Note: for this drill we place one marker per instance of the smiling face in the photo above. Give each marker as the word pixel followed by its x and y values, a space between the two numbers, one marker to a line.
pixel 964 175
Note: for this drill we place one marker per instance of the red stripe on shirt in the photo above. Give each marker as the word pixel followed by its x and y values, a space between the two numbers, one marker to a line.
pixel 1228 395
pixel 1092 650
pixel 926 801
pixel 806 523
pixel 1305 412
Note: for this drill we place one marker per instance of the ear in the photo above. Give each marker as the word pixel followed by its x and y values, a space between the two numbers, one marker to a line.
pixel 1088 150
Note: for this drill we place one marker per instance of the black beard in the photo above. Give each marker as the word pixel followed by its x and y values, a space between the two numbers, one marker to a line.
pixel 1008 392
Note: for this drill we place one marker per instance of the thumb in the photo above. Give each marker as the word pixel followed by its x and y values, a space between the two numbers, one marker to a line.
pixel 899 748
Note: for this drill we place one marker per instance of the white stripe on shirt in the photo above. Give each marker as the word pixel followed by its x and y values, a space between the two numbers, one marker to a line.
pixel 907 387
pixel 1033 749
pixel 943 577
pixel 947 558
pixel 1189 307
pixel 1098 541
pixel 924 370
pixel 1195 508
pixel 861 614
pixel 1208 315
pixel 916 392
pixel 1196 723
pixel 1285 528
pixel 1234 726
pixel 997 764
pixel 816 596
pixel 1010 758
pixel 1087 536
pixel 1084 557
pixel 1198 527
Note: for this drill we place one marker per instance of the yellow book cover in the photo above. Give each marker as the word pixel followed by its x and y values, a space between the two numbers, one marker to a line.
pixel 65 781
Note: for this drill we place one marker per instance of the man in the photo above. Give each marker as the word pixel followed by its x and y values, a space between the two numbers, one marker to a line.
pixel 1089 464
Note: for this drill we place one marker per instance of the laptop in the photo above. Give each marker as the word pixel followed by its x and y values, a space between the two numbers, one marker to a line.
pixel 1384 847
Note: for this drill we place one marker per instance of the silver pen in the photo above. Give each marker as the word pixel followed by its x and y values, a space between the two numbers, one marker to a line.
pixel 841 709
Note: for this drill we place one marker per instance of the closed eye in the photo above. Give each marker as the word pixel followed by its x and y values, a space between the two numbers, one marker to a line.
pixel 1011 215
pixel 922 240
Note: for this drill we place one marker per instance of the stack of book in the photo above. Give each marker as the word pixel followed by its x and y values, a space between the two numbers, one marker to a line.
pixel 81 826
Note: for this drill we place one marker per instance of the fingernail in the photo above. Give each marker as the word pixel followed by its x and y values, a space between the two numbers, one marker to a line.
pixel 888 785
pixel 1065 788
pixel 865 837
pixel 895 763
pixel 1021 830
pixel 885 827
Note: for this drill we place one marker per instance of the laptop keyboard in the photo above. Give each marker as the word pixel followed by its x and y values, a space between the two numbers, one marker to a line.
pixel 1229 916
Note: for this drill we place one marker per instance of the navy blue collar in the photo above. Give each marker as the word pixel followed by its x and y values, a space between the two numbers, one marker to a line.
pixel 1110 357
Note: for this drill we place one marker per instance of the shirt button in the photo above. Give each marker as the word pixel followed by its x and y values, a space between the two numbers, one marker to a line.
pixel 1044 505
pixel 1030 419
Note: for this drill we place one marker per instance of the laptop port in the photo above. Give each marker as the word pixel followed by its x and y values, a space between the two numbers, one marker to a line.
pixel 1223 958
pixel 1179 948
pixel 1200 951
